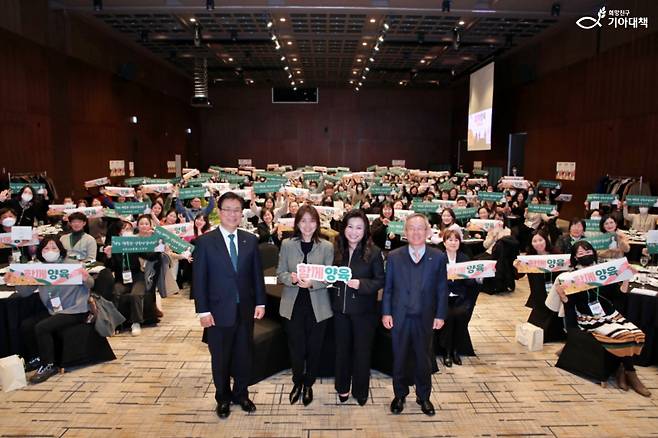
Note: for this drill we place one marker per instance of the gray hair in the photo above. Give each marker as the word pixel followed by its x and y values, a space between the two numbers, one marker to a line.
pixel 419 216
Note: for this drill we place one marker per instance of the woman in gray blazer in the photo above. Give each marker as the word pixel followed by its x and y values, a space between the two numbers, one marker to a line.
pixel 305 303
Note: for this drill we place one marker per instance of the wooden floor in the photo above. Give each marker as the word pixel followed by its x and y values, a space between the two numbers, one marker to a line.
pixel 160 386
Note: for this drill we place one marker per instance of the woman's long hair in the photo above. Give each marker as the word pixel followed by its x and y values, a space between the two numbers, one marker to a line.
pixel 365 245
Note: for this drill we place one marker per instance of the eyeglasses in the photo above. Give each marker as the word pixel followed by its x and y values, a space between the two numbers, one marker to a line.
pixel 231 210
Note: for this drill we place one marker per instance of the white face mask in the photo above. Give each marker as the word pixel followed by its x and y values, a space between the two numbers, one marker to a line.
pixel 26 197
pixel 644 210
pixel 512 192
pixel 8 222
pixel 127 233
pixel 50 256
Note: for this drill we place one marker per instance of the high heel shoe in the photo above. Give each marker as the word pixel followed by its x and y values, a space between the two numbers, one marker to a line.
pixel 343 398
pixel 295 393
pixel 456 359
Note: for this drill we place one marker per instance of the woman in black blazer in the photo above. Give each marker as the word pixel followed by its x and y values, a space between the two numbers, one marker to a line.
pixel 379 229
pixel 355 306
pixel 267 229
pixel 463 294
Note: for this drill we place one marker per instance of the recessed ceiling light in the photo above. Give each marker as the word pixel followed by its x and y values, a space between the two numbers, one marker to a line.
pixel 282 19
pixel 372 20
pixel 301 81
pixel 294 59
pixel 230 60
pixel 462 22
pixel 359 60
pixel 290 43
pixel 354 72
pixel 192 20
pixel 422 61
pixel 351 81
pixel 364 43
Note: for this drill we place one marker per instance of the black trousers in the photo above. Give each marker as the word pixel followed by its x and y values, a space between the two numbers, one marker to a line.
pixel 411 334
pixel 38 332
pixel 455 329
pixel 231 355
pixel 305 340
pixel 354 338
pixel 135 292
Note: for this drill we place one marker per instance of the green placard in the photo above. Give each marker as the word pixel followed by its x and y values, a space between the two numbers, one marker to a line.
pixel 158 181
pixel 425 207
pixel 491 196
pixel 17 186
pixel 192 192
pixel 601 241
pixel 604 198
pixel 446 186
pixel 135 181
pixel 197 182
pixel 549 184
pixel 331 178
pixel 396 227
pixel 343 169
pixel 266 187
pixel 312 176
pixel 126 208
pixel 541 208
pixel 232 178
pixel 592 224
pixel 465 213
pixel 132 244
pixel 480 172
pixel 176 244
pixel 371 168
pixel 461 175
pixel 652 247
pixel 205 175
pixel 641 201
pixel 380 190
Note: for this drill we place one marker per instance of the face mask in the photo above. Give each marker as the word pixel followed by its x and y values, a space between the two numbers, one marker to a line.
pixel 26 197
pixel 512 192
pixel 585 260
pixel 50 256
pixel 644 210
pixel 381 198
pixel 530 193
pixel 126 233
pixel 9 221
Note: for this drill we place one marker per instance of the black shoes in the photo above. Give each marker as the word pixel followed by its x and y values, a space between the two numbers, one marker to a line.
pixel 362 401
pixel 447 361
pixel 397 405
pixel 307 397
pixel 295 393
pixel 44 373
pixel 223 409
pixel 456 359
pixel 343 398
pixel 32 364
pixel 247 405
pixel 426 406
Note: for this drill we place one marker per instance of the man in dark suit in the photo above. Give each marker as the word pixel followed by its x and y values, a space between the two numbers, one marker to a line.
pixel 229 291
pixel 415 302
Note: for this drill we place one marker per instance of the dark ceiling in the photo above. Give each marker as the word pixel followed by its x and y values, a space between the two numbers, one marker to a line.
pixel 329 43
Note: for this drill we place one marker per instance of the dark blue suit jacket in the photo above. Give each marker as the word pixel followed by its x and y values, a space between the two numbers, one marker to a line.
pixel 216 283
pixel 434 292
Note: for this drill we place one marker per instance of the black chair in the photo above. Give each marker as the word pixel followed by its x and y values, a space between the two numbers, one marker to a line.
pixel 269 255
pixel 382 355
pixel 549 321
pixel 583 355
pixel 81 344
pixel 270 349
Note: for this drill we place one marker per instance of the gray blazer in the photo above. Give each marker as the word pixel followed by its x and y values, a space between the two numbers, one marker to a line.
pixel 290 255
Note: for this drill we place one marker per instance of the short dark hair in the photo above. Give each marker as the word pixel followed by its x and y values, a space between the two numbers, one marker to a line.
pixel 575 221
pixel 228 196
pixel 451 233
pixel 6 210
pixel 586 246
pixel 386 204
pixel 145 216
pixel 307 209
pixel 78 216
pixel 44 242
pixel 461 197
pixel 605 218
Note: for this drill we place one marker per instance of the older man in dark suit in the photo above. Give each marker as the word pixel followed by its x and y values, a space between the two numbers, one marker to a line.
pixel 229 291
pixel 415 302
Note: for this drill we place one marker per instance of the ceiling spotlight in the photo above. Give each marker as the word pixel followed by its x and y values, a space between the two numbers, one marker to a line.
pixel 269 24
pixel 282 19
pixel 286 67
pixel 294 89
pixel 301 81
pixel 289 76
pixel 453 72
pixel 376 47
pixel 294 59
pixel 277 46
pixel 192 20
pixel 283 58
pixel 555 9
pixel 364 43
pixel 462 22
pixel 401 82
pixel 380 39
pixel 422 61
pixel 354 72
pixel 360 84
pixel 189 130
pixel 371 59
pixel 445 6
pixel 292 82
pixel 372 20
pixel 367 69
pixel 351 81
pixel 98 5
pixel 133 120
pixel 210 5
pixel 290 43
pixel 386 26
pixel 363 77
pixel 357 88
pixel 359 60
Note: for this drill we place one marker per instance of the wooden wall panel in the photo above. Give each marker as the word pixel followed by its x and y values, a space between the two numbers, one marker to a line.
pixel 345 128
